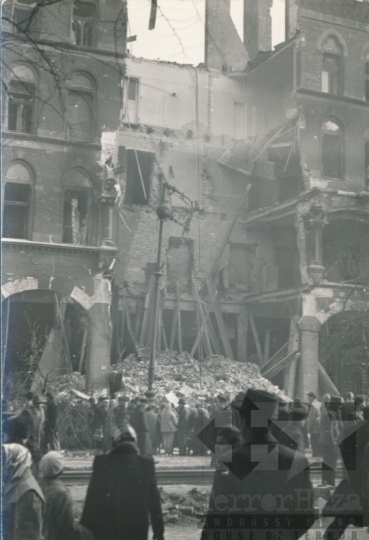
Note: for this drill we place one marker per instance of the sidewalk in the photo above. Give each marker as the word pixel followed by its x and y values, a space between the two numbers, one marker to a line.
pixel 84 462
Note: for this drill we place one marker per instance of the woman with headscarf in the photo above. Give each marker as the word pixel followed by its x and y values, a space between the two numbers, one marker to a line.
pixel 59 523
pixel 23 501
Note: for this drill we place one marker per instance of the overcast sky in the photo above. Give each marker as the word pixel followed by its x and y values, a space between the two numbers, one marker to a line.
pixel 179 32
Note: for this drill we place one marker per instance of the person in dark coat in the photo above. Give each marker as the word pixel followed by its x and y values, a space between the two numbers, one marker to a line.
pixel 348 406
pixel 123 493
pixel 50 439
pixel 353 488
pixel 261 471
pixel 201 421
pixel 183 414
pixel 59 522
pixel 139 423
pixel 22 498
pixel 120 412
pixel 152 424
pixel 292 435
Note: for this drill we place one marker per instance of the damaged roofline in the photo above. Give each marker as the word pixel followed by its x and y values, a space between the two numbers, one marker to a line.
pixel 278 49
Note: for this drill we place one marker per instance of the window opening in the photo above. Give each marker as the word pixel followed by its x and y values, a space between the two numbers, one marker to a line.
pixel 17 200
pixel 330 73
pixel 134 192
pixel 332 150
pixel 77 201
pixel 132 101
pixel 332 80
pixel 21 95
pixel 83 24
pixel 76 210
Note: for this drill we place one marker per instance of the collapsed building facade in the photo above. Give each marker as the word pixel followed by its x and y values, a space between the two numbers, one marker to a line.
pixel 270 149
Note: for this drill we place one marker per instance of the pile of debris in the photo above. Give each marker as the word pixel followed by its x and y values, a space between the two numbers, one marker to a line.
pixel 179 375
pixel 183 508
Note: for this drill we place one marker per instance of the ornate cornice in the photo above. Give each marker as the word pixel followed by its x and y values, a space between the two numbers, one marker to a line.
pixel 63 142
pixel 13 244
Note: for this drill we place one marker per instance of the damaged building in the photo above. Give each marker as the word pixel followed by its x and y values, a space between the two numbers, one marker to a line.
pixel 264 252
pixel 62 72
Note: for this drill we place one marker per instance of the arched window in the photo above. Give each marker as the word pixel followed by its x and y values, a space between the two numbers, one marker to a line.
pixel 21 100
pixel 80 108
pixel 332 149
pixel 332 66
pixel 17 201
pixel 76 214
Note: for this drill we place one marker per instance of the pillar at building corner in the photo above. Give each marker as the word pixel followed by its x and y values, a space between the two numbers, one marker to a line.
pixel 307 377
pixel 99 347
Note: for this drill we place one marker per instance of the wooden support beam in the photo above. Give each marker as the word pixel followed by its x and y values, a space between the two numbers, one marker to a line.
pixel 129 328
pixel 326 385
pixel 272 371
pixel 256 338
pixel 203 328
pixel 213 337
pixel 220 321
pixel 174 329
pixel 180 347
pixel 204 331
pixel 242 331
pixel 266 345
pixel 289 376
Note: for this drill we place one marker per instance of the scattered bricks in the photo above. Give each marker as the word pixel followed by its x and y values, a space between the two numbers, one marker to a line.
pixel 167 506
pixel 187 510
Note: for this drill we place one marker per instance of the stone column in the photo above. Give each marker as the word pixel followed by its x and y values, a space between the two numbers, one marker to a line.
pixel 98 351
pixel 314 244
pixel 307 378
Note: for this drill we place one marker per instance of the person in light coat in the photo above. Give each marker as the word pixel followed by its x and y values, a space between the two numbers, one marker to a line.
pixel 168 426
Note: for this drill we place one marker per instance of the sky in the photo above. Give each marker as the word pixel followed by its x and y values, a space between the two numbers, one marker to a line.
pixel 179 32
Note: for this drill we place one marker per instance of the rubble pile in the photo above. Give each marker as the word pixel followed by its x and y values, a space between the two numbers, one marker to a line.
pixel 179 375
pixel 182 508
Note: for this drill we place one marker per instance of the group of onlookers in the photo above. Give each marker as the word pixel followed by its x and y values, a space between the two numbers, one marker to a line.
pixel 123 495
pixel 158 427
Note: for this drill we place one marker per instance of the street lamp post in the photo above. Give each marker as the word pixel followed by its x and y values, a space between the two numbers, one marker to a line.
pixel 164 213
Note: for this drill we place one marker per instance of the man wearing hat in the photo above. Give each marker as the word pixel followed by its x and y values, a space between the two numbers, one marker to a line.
pixel 183 414
pixel 123 493
pixel 261 473
pixel 139 423
pixel 33 415
pixel 313 423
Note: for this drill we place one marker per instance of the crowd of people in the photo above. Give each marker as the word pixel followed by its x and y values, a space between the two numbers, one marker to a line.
pixel 159 427
pixel 123 498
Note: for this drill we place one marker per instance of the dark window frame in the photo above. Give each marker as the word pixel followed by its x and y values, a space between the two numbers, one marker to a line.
pixel 334 75
pixel 84 40
pixel 28 205
pixel 88 192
